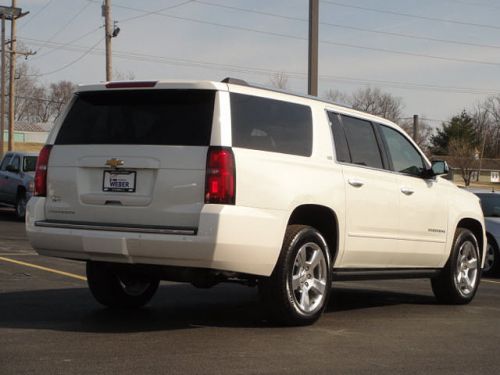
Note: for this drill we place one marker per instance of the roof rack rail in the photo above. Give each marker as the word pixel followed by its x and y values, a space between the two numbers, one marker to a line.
pixel 235 81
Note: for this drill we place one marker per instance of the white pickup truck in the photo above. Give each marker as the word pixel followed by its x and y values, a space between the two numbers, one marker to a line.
pixel 206 182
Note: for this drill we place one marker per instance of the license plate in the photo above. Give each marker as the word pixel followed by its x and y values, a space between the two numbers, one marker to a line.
pixel 123 181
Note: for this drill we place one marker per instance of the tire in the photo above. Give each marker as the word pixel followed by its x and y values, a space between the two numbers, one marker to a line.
pixel 492 259
pixel 21 205
pixel 458 281
pixel 119 289
pixel 297 291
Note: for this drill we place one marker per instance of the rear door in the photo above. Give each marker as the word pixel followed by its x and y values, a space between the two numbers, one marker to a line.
pixel 134 157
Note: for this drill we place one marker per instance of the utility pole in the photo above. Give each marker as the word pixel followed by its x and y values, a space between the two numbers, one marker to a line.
pixel 2 99
pixel 12 77
pixel 12 72
pixel 11 14
pixel 106 13
pixel 312 85
pixel 415 128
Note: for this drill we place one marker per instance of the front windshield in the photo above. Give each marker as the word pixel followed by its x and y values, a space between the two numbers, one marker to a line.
pixel 490 204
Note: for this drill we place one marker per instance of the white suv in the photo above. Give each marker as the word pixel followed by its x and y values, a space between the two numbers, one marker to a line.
pixel 206 182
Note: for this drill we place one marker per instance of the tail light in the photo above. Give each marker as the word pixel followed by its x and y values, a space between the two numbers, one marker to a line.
pixel 220 184
pixel 41 171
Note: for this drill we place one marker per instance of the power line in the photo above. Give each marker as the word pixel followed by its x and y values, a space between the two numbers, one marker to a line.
pixel 61 29
pixel 53 49
pixel 133 56
pixel 474 4
pixel 463 23
pixel 290 18
pixel 288 36
pixel 68 64
pixel 156 11
pixel 36 14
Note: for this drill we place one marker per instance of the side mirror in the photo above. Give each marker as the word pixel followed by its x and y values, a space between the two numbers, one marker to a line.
pixel 12 168
pixel 440 167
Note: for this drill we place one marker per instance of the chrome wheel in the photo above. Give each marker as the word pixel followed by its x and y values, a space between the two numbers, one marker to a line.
pixel 489 259
pixel 309 278
pixel 466 273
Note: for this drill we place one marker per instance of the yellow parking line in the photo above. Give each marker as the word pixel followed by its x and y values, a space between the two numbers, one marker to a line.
pixel 44 268
pixel 490 281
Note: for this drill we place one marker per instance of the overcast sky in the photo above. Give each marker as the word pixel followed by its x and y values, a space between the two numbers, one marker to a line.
pixel 439 56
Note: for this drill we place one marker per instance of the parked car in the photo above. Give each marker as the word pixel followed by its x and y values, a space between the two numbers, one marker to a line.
pixel 17 171
pixel 206 182
pixel 490 202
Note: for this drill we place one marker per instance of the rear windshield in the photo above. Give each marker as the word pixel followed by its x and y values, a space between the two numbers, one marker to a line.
pixel 271 125
pixel 29 163
pixel 140 117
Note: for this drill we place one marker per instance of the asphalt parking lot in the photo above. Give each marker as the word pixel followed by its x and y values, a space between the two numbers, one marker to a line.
pixel 50 324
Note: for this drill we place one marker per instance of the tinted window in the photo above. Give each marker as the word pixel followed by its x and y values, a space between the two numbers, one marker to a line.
pixel 29 163
pixel 490 204
pixel 271 125
pixel 405 158
pixel 341 147
pixel 16 163
pixel 362 142
pixel 147 117
pixel 5 162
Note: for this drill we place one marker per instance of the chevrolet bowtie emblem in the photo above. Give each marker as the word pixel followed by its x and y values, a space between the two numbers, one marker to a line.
pixel 114 163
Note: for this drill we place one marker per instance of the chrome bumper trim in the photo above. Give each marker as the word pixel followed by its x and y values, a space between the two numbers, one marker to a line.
pixel 116 228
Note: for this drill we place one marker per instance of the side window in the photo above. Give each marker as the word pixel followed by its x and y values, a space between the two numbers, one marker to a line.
pixel 340 141
pixel 362 142
pixel 5 162
pixel 271 125
pixel 29 163
pixel 405 158
pixel 16 162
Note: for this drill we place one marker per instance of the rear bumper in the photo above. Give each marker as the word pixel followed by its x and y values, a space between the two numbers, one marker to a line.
pixel 229 238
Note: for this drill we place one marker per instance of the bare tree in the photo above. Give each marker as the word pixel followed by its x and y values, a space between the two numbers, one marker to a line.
pixel 59 95
pixel 123 76
pixel 461 154
pixel 423 135
pixel 337 96
pixel 279 80
pixel 377 102
pixel 487 122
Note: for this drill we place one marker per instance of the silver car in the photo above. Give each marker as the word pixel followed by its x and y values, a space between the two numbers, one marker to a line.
pixel 17 171
pixel 490 202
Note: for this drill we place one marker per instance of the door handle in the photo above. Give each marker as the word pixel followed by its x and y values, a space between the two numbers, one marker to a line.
pixel 407 190
pixel 355 182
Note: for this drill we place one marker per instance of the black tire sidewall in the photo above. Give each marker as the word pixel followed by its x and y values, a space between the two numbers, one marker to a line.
pixel 494 270
pixel 21 198
pixel 105 286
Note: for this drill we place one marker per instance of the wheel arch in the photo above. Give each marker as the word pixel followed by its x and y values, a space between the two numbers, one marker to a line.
pixel 477 228
pixel 322 218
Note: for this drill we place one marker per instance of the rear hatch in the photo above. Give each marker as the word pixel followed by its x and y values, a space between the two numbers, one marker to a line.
pixel 131 157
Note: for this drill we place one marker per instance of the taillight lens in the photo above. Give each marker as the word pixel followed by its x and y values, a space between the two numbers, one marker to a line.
pixel 41 171
pixel 220 184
